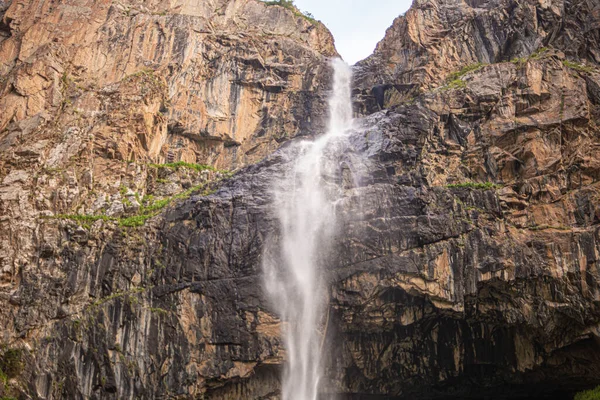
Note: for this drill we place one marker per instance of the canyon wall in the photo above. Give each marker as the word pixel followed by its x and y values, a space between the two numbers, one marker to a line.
pixel 468 263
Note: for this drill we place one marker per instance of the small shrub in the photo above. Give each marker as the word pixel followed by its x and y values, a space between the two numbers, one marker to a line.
pixel 11 363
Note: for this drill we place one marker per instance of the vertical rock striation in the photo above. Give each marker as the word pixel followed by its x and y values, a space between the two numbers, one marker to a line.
pixel 109 112
pixel 469 264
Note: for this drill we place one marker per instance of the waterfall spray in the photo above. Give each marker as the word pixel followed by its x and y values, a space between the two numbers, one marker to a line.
pixel 304 201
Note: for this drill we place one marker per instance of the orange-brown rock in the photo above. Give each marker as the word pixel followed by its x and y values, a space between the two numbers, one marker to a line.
pixel 111 111
pixel 468 264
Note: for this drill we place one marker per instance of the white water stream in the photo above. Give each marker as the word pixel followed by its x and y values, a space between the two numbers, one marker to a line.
pixel 304 200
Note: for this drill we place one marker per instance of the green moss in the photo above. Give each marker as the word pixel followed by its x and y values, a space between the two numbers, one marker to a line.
pixel 182 164
pixel 84 218
pixel 593 394
pixel 465 70
pixel 519 60
pixel 156 205
pixel 158 310
pixel 455 84
pixel 474 185
pixel 149 208
pixel 577 67
pixel 538 53
pixel 147 199
pixel 134 221
pixel 455 80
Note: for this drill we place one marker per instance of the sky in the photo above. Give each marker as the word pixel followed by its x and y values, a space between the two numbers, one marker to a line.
pixel 357 25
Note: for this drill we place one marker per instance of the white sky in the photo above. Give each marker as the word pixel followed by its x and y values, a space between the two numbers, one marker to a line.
pixel 357 25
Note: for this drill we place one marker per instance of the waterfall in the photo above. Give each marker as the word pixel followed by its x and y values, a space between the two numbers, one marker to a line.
pixel 304 203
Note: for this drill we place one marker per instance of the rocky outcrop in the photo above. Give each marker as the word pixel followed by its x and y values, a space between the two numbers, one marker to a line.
pixel 438 37
pixel 231 70
pixel 468 267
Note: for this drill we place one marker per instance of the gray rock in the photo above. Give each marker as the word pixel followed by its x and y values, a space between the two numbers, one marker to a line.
pixel 115 209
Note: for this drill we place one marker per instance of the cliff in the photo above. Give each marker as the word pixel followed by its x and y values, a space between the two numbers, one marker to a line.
pixel 109 112
pixel 469 262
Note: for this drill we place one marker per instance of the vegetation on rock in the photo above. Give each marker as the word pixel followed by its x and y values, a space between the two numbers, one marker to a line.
pixel 183 164
pixel 593 394
pixel 577 66
pixel 149 209
pixel 289 4
pixel 11 363
pixel 465 70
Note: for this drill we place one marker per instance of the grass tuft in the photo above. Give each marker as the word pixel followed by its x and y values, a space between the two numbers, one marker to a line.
pixel 536 55
pixel 577 67
pixel 181 164
pixel 84 218
pixel 455 80
pixel 465 70
pixel 134 221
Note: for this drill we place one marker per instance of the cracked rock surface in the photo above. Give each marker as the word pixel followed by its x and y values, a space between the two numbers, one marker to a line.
pixel 468 266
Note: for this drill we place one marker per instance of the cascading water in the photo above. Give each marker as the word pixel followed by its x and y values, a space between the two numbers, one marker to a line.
pixel 304 202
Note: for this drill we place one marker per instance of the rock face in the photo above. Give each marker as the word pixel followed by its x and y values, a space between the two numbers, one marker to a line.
pixel 230 72
pixel 469 261
pixel 109 112
pixel 438 37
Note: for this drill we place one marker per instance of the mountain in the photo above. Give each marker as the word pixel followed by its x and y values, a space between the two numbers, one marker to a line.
pixel 130 253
